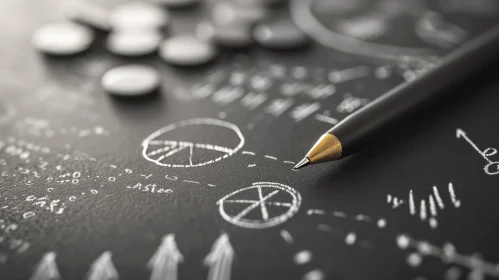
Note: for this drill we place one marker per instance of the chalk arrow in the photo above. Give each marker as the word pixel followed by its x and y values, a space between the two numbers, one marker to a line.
pixel 103 268
pixel 460 133
pixel 165 261
pixel 220 259
pixel 46 268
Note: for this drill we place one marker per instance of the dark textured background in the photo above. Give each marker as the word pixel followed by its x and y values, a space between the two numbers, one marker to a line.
pixel 130 224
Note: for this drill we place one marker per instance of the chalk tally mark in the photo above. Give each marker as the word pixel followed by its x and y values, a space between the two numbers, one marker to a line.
pixel 103 268
pixel 167 153
pixel 46 268
pixel 220 259
pixel 264 212
pixel 429 208
pixel 164 262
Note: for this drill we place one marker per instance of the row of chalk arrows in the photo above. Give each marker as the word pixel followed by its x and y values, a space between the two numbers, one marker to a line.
pixel 163 264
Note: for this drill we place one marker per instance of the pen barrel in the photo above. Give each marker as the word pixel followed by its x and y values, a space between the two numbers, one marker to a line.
pixel 410 97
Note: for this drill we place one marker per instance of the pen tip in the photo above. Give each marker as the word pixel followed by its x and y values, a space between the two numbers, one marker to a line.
pixel 304 162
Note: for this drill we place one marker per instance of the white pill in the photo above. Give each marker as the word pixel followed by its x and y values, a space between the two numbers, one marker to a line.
pixel 138 15
pixel 133 43
pixel 63 38
pixel 89 14
pixel 131 80
pixel 187 50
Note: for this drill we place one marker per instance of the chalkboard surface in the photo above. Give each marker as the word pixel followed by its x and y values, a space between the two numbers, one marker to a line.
pixel 196 181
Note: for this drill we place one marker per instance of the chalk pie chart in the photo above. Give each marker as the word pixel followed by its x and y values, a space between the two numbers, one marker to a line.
pixel 192 143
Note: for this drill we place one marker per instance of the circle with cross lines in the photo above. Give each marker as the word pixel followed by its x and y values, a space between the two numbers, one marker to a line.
pixel 192 143
pixel 263 205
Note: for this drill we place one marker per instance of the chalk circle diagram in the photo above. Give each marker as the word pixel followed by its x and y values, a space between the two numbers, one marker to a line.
pixel 263 205
pixel 192 143
pixel 367 27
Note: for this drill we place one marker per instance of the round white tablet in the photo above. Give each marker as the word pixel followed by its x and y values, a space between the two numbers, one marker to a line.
pixel 63 38
pixel 138 15
pixel 133 43
pixel 187 50
pixel 131 80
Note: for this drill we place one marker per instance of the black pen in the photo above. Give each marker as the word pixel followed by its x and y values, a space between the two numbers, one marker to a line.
pixel 356 130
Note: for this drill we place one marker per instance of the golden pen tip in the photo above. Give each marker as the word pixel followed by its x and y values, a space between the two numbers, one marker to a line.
pixel 304 162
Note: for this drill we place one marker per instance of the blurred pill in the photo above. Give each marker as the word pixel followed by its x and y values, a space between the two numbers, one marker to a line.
pixel 178 3
pixel 138 16
pixel 283 34
pixel 133 43
pixel 63 38
pixel 131 80
pixel 225 12
pixel 229 35
pixel 88 14
pixel 187 50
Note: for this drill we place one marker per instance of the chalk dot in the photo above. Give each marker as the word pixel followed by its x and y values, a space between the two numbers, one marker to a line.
pixel 414 259
pixel 314 275
pixel 424 248
pixel 222 115
pixel 433 223
pixel 302 257
pixel 453 273
pixel 449 250
pixel 403 241
pixel 381 223
pixel 350 238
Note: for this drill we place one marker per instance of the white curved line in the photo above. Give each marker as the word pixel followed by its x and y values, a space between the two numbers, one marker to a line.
pixel 301 14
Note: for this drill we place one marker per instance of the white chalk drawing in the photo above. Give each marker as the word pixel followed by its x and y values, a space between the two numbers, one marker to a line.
pixel 278 106
pixel 492 167
pixel 164 262
pixel 304 110
pixel 345 75
pixel 302 15
pixel 46 268
pixel 302 257
pixel 350 238
pixel 433 29
pixel 447 254
pixel 287 236
pixel 395 201
pixel 269 204
pixel 220 259
pixel 161 149
pixel 326 119
pixel 350 103
pixel 315 274
pixel 428 208
pixel 103 268
pixel 343 215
